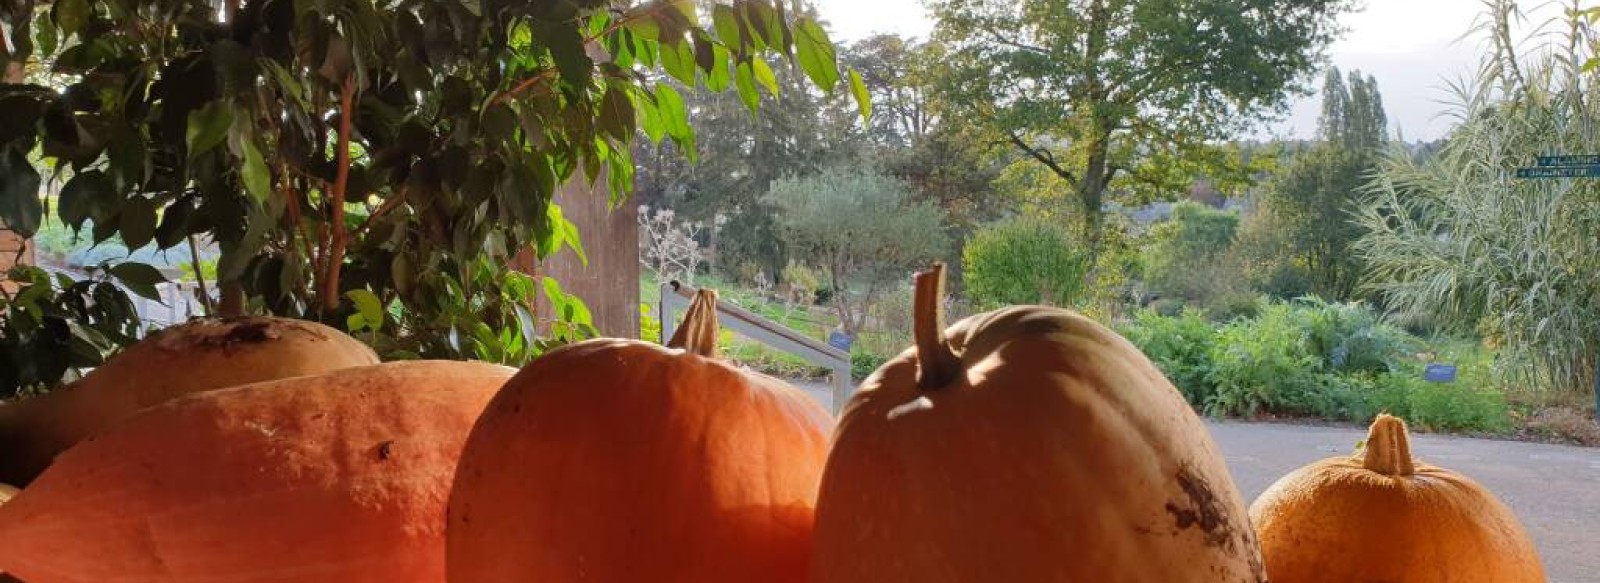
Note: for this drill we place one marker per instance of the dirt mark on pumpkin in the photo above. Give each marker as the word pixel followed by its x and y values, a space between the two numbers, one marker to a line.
pixel 1202 509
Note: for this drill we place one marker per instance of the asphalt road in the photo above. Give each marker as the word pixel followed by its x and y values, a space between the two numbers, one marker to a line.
pixel 1553 489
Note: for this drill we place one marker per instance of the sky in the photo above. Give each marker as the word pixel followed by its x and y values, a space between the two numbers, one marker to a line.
pixel 1412 47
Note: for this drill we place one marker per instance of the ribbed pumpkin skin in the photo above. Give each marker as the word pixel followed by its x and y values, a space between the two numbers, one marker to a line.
pixel 1064 456
pixel 200 355
pixel 341 478
pixel 1334 520
pixel 615 461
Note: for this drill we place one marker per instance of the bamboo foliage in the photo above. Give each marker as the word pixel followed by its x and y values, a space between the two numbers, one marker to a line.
pixel 1458 240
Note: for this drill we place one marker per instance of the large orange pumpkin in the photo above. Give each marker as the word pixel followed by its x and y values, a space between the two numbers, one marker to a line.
pixel 1025 445
pixel 1381 516
pixel 341 478
pixel 201 355
pixel 619 461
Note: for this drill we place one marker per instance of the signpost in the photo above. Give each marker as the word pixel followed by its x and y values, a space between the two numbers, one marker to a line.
pixel 1579 166
pixel 1584 166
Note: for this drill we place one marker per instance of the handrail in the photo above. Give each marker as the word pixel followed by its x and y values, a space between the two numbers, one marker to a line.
pixel 675 297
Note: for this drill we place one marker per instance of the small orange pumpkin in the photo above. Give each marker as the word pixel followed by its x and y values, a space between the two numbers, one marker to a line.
pixel 1381 516
pixel 1026 445
pixel 613 461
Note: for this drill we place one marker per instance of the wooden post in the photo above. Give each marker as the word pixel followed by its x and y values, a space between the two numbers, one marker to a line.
pixel 609 283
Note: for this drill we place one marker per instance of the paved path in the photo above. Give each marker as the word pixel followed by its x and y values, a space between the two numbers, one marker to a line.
pixel 1554 489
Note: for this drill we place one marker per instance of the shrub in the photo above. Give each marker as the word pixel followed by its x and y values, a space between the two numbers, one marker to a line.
pixel 1180 346
pixel 863 363
pixel 1024 261
pixel 1262 365
pixel 1441 406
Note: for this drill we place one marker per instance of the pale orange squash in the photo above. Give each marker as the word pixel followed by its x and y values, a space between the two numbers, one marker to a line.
pixel 7 492
pixel 619 461
pixel 200 355
pixel 1025 445
pixel 340 478
pixel 1381 516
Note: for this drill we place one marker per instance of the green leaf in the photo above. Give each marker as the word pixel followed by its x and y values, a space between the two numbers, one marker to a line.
pixel 568 308
pixel 677 58
pixel 863 97
pixel 649 117
pixel 71 15
pixel 20 207
pixel 726 23
pixel 45 37
pixel 137 222
pixel 616 114
pixel 254 173
pixel 765 76
pixel 208 127
pixel 816 54
pixel 643 26
pixel 139 278
pixel 79 195
pixel 718 77
pixel 368 306
pixel 745 81
pixel 674 114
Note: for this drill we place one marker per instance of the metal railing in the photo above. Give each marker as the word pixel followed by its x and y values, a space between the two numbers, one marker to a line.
pixel 675 298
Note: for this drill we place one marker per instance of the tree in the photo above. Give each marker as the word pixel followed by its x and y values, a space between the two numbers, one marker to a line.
pixel 1185 253
pixel 1024 261
pixel 862 229
pixel 738 154
pixel 350 156
pixel 1089 88
pixel 1314 199
pixel 1456 240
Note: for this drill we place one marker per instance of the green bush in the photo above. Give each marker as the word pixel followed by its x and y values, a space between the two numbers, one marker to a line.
pixel 1310 358
pixel 1262 365
pixel 863 363
pixel 1180 346
pixel 1024 261
pixel 1453 406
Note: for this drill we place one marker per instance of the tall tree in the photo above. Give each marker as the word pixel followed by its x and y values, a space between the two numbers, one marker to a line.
pixel 1089 87
pixel 1314 199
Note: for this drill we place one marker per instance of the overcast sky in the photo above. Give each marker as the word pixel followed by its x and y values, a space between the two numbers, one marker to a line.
pixel 1412 47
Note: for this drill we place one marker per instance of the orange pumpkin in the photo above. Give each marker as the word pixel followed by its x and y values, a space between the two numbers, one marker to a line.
pixel 1381 516
pixel 614 461
pixel 1025 445
pixel 201 355
pixel 341 478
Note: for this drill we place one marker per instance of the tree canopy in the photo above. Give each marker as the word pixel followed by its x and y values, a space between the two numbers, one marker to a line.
pixel 348 156
pixel 1092 89
pixel 861 228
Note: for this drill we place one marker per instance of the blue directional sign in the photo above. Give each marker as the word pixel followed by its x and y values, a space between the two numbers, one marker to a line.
pixel 1577 166
pixel 1556 161
pixel 838 339
pixel 1560 172
pixel 1439 373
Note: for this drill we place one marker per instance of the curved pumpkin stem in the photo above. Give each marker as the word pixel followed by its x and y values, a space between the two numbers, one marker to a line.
pixel 937 365
pixel 698 334
pixel 1389 447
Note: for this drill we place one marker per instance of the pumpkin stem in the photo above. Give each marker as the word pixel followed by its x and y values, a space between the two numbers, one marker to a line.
pixel 698 334
pixel 937 365
pixel 1389 447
